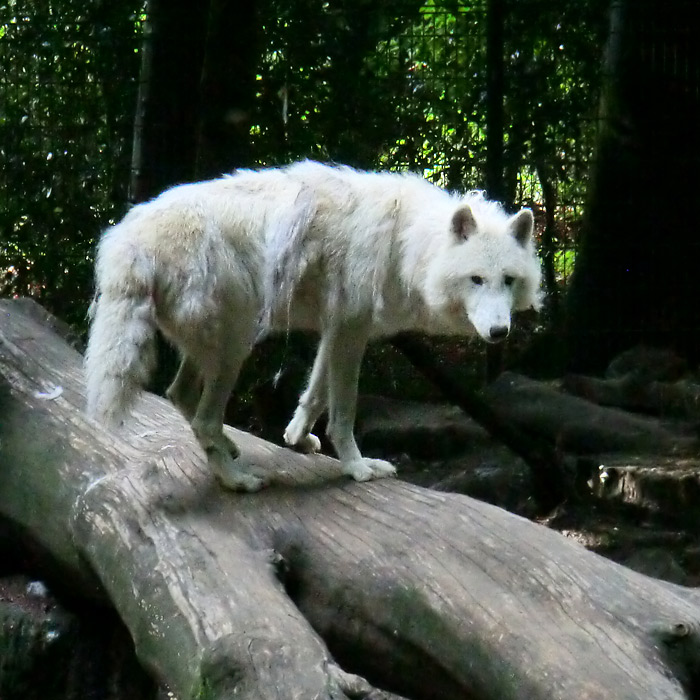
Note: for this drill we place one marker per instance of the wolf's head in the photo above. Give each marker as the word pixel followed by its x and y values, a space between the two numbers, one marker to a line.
pixel 488 269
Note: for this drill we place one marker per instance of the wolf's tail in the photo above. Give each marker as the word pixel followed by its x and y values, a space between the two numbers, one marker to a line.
pixel 121 348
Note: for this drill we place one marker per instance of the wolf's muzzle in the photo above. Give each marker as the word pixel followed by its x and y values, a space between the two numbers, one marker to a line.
pixel 498 333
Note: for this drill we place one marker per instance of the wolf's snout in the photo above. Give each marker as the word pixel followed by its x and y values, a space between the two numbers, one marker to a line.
pixel 498 333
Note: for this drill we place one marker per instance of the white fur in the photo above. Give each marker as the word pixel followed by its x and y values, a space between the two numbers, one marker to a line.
pixel 350 254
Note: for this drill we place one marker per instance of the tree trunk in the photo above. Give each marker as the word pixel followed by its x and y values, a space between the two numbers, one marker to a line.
pixel 196 93
pixel 227 88
pixel 495 180
pixel 639 252
pixel 495 16
pixel 165 128
pixel 549 195
pixel 429 594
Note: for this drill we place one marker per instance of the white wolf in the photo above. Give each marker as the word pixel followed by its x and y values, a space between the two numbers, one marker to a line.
pixel 353 255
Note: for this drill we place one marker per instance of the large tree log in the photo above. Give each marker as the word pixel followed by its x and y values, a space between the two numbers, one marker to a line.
pixel 226 595
pixel 549 477
pixel 680 399
pixel 576 425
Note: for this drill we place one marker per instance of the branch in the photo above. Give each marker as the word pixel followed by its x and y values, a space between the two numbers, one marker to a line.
pixel 549 472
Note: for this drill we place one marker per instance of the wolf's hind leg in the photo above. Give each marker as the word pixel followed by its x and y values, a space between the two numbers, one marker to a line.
pixel 311 405
pixel 347 346
pixel 207 424
pixel 185 391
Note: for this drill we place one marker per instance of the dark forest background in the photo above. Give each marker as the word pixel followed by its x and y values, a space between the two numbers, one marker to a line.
pixel 585 111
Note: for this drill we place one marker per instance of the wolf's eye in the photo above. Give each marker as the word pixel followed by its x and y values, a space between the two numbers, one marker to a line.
pixel 508 280
pixel 476 279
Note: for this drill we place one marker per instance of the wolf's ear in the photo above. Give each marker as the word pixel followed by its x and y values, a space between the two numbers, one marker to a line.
pixel 522 225
pixel 463 223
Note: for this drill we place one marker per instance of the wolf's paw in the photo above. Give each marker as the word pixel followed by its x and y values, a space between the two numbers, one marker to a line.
pixel 366 469
pixel 307 444
pixel 230 473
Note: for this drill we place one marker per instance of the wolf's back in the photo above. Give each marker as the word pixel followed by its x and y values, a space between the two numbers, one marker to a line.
pixel 121 346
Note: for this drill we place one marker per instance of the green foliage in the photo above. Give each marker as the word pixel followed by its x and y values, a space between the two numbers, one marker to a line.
pixel 398 85
pixel 564 261
pixel 403 85
pixel 372 85
pixel 553 72
pixel 324 90
pixel 65 131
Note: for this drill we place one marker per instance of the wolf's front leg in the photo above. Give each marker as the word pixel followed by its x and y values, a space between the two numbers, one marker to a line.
pixel 311 404
pixel 346 349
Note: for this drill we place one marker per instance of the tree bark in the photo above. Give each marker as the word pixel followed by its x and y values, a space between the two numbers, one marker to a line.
pixel 432 595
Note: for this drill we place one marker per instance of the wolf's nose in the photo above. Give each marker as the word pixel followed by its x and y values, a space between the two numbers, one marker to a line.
pixel 498 333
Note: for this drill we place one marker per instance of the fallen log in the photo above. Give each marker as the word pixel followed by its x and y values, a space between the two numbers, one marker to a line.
pixel 678 399
pixel 579 426
pixel 288 592
pixel 550 476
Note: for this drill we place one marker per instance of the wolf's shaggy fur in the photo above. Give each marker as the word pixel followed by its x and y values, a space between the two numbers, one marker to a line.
pixel 353 255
